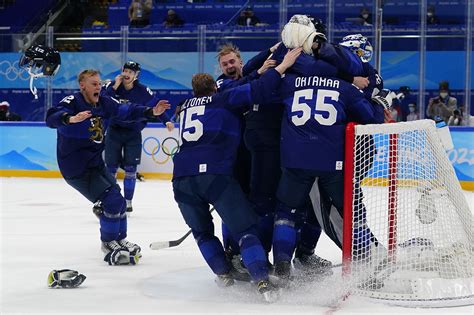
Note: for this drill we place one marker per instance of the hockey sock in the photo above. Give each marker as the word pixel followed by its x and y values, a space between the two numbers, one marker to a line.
pixel 284 235
pixel 231 246
pixel 113 169
pixel 129 181
pixel 123 226
pixel 254 257
pixel 213 253
pixel 308 238
pixel 113 205
pixel 265 230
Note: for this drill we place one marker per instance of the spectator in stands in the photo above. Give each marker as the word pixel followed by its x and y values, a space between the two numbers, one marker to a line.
pixel 431 18
pixel 172 19
pixel 443 106
pixel 403 100
pixel 366 17
pixel 6 114
pixel 247 18
pixel 413 115
pixel 139 13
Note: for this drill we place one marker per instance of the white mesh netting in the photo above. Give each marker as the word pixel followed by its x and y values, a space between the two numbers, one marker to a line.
pixel 412 229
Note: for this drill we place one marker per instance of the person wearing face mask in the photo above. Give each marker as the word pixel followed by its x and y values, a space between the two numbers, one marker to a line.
pixel 413 113
pixel 431 18
pixel 366 17
pixel 442 106
pixel 247 18
pixel 139 13
pixel 123 143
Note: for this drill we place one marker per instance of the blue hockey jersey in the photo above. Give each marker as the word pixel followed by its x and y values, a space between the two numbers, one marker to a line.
pixel 139 94
pixel 317 110
pixel 80 145
pixel 210 129
pixel 347 62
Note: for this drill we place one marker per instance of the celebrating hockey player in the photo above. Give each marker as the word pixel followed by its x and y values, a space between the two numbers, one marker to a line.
pixel 123 142
pixel 202 175
pixel 78 119
pixel 317 108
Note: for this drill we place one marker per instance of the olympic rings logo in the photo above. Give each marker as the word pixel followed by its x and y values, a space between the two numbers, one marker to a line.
pixel 152 147
pixel 11 71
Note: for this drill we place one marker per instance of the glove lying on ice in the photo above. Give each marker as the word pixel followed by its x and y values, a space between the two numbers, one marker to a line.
pixel 65 278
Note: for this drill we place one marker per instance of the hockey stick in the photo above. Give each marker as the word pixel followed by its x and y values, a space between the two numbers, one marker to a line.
pixel 167 244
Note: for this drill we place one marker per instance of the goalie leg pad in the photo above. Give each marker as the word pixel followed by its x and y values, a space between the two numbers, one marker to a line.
pixel 119 256
pixel 65 278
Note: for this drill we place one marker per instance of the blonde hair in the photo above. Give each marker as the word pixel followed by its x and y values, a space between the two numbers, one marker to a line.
pixel 87 73
pixel 226 49
pixel 203 84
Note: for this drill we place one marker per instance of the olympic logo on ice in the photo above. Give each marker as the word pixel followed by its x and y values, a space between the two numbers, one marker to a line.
pixel 152 147
pixel 11 71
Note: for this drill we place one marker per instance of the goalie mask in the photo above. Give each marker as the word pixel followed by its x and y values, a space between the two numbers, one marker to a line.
pixel 40 61
pixel 359 45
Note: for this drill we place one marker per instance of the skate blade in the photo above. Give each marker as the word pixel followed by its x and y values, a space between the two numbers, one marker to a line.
pixel 271 296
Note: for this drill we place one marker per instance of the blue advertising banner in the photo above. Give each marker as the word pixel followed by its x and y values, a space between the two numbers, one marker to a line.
pixel 173 71
pixel 32 147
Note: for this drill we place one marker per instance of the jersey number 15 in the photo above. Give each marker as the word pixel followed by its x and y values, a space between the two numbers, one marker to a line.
pixel 192 129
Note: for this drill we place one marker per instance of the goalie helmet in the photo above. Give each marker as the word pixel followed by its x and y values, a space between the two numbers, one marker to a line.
pixel 41 60
pixel 359 45
pixel 134 66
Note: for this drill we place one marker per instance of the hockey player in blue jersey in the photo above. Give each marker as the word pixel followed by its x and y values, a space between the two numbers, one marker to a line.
pixel 317 110
pixel 81 122
pixel 350 58
pixel 123 142
pixel 203 168
pixel 235 74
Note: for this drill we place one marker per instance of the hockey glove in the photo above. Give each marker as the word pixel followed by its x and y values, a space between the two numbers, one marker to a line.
pixel 384 98
pixel 65 278
pixel 118 257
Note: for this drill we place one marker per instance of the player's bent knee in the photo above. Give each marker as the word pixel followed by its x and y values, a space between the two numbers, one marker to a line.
pixel 113 203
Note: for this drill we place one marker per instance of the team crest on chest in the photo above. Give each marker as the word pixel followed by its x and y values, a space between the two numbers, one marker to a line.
pixel 97 130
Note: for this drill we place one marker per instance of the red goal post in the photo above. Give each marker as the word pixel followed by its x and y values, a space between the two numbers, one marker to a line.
pixel 408 230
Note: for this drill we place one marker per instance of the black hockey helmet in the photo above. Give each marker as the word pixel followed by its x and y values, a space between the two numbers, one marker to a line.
pixel 41 59
pixel 132 65
pixel 319 26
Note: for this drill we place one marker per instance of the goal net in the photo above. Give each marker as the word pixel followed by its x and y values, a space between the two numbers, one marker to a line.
pixel 408 230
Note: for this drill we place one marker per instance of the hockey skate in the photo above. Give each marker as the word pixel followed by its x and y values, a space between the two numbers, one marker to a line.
pixel 312 265
pixel 225 280
pixel 283 273
pixel 129 207
pixel 97 209
pixel 134 249
pixel 115 254
pixel 268 290
pixel 140 177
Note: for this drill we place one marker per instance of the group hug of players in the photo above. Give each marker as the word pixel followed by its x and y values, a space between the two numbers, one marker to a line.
pixel 288 106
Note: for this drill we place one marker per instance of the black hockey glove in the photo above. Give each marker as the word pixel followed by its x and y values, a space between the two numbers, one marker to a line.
pixel 65 278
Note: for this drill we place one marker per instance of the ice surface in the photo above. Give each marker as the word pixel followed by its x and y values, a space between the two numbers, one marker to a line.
pixel 47 225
